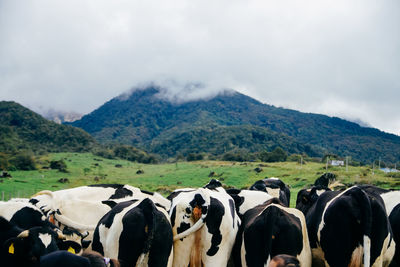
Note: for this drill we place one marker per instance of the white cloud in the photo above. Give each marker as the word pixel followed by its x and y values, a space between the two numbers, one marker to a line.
pixel 75 55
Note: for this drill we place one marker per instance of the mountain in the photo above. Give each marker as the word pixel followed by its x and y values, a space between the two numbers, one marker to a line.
pixel 230 121
pixel 23 129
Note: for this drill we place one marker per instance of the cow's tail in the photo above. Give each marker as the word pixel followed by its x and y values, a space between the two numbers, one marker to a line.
pixel 270 215
pixel 199 213
pixel 70 223
pixel 149 213
pixel 365 221
pixel 44 192
pixel 192 229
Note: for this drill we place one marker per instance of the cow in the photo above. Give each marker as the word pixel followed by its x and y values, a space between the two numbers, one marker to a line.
pixel 394 219
pixel 247 199
pixel 66 259
pixel 244 199
pixel 24 248
pixel 346 228
pixel 271 229
pixel 204 224
pixel 391 199
pixel 275 187
pixel 325 179
pixel 81 208
pixel 23 214
pixel 137 233
pixel 48 200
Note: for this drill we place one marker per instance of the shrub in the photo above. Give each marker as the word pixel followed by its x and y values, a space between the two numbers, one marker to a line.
pixel 58 165
pixel 104 153
pixel 23 161
pixel 194 156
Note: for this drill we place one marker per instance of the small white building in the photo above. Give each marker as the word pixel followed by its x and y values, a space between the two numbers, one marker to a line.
pixel 337 163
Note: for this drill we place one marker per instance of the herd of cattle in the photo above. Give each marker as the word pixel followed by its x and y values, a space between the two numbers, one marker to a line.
pixel 208 226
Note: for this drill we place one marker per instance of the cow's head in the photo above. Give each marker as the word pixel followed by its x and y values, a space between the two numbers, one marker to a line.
pixel 258 185
pixel 30 245
pixel 213 184
pixel 73 241
pixel 307 197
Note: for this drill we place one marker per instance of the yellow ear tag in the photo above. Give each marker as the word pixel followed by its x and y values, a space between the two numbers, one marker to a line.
pixel 11 248
pixel 70 249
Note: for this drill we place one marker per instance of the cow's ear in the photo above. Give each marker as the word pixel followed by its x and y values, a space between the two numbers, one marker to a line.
pixel 70 246
pixel 237 199
pixel 86 243
pixel 15 246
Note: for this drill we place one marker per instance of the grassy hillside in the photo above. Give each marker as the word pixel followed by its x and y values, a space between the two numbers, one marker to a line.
pixel 23 129
pixel 84 169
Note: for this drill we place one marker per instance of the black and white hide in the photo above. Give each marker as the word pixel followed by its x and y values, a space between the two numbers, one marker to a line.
pixel 23 214
pixel 271 229
pixel 136 232
pixel 247 199
pixel 204 224
pixel 391 199
pixel 347 228
pixel 275 187
pixel 81 208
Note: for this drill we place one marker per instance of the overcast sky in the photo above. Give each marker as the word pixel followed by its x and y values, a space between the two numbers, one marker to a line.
pixel 335 57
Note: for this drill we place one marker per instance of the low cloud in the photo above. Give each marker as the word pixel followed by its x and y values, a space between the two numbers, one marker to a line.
pixel 339 58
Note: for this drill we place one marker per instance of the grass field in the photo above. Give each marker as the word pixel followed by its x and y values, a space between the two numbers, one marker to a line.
pixel 85 169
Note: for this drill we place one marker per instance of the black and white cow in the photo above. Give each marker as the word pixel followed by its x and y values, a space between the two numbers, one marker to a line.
pixel 271 229
pixel 346 228
pixel 81 208
pixel 275 187
pixel 391 199
pixel 25 216
pixel 137 233
pixel 244 199
pixel 204 224
pixel 24 248
pixel 51 200
pixel 247 199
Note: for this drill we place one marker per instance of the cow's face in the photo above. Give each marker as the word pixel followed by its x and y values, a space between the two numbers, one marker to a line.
pixel 27 248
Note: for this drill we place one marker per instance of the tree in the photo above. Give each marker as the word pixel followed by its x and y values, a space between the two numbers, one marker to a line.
pixel 277 155
pixel 4 163
pixel 23 161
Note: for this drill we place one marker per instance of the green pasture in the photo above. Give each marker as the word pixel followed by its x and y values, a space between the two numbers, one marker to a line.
pixel 85 169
